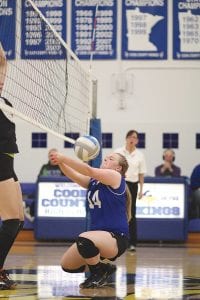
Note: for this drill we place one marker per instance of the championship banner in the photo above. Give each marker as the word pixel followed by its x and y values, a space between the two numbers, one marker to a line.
pixel 161 201
pixel 38 42
pixel 186 29
pixel 61 200
pixel 144 29
pixel 8 27
pixel 94 29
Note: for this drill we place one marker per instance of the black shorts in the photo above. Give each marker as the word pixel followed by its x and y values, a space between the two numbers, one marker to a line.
pixel 7 167
pixel 122 244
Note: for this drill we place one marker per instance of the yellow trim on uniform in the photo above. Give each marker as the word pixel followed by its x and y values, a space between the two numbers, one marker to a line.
pixel 10 154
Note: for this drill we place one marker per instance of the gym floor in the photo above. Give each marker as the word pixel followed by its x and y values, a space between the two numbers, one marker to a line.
pixel 155 271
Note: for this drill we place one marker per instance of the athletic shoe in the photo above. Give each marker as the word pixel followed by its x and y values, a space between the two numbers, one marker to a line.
pixel 131 248
pixel 100 278
pixel 5 282
pixel 87 282
pixel 103 280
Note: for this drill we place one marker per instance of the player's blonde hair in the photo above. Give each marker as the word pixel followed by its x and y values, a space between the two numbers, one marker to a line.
pixel 124 164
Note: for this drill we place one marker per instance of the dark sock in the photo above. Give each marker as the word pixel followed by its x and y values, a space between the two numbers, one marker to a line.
pixel 8 233
pixel 95 268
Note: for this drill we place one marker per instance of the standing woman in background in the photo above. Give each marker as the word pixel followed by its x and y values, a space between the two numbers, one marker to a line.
pixel 134 177
pixel 11 205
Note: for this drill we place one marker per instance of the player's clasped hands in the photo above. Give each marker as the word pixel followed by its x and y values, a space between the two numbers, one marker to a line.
pixel 56 158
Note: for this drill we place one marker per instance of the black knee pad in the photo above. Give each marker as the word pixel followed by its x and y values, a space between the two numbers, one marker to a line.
pixel 9 228
pixel 86 247
pixel 78 270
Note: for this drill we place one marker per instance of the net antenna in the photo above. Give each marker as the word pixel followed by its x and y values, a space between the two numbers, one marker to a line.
pixel 92 52
pixel 94 35
pixel 52 94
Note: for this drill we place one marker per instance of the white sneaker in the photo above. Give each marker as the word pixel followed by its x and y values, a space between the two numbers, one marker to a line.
pixel 131 248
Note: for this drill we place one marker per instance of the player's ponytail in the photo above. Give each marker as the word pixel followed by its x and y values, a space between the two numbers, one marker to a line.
pixel 128 203
pixel 124 164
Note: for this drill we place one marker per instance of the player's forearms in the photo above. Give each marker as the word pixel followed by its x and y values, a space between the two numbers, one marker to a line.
pixel 74 175
pixel 79 166
pixel 69 172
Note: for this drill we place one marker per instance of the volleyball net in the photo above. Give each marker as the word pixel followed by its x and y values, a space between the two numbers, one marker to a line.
pixel 54 94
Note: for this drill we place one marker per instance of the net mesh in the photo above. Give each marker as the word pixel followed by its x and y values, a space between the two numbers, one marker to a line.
pixel 54 93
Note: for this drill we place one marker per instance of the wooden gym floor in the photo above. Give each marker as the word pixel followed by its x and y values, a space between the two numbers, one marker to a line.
pixel 154 272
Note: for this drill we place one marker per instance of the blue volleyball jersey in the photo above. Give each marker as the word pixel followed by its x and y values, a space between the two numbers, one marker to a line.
pixel 108 207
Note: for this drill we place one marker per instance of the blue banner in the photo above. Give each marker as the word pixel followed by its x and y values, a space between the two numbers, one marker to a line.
pixel 38 41
pixel 144 29
pixel 94 29
pixel 186 39
pixel 8 27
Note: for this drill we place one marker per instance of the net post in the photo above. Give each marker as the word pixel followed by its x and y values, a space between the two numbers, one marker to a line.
pixel 95 125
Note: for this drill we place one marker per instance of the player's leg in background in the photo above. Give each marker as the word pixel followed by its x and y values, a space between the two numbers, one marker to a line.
pixel 10 215
pixel 133 187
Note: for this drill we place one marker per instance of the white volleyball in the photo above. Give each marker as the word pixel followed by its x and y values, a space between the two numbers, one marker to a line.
pixel 86 147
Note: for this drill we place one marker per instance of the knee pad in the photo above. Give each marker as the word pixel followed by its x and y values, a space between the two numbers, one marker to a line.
pixel 9 228
pixel 86 247
pixel 78 270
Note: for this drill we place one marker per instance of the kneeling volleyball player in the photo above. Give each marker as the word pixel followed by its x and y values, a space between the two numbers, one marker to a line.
pixel 109 205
